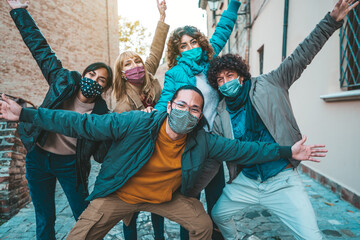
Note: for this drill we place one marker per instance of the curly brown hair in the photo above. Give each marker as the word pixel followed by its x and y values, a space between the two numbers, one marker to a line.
pixel 229 61
pixel 175 39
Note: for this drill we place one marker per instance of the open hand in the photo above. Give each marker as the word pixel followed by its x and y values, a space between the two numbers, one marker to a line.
pixel 162 8
pixel 342 8
pixel 303 152
pixel 9 109
pixel 14 4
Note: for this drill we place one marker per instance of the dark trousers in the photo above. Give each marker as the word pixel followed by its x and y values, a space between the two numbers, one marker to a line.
pixel 212 193
pixel 42 170
pixel 157 222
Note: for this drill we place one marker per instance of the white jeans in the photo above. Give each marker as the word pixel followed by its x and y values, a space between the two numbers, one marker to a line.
pixel 283 194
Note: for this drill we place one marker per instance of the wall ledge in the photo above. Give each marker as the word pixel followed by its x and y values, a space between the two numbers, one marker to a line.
pixel 342 192
pixel 342 96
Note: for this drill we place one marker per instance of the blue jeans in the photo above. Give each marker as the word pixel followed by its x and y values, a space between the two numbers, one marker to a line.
pixel 157 222
pixel 42 170
pixel 213 192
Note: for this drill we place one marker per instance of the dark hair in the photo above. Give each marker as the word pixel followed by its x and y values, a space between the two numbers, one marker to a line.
pixel 203 120
pixel 175 40
pixel 229 61
pixel 188 87
pixel 97 65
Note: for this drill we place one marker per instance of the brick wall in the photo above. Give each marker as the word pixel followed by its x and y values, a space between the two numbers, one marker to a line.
pixel 14 192
pixel 79 32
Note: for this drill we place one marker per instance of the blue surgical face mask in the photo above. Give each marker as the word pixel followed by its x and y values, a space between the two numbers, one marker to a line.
pixel 182 122
pixel 231 89
pixel 193 54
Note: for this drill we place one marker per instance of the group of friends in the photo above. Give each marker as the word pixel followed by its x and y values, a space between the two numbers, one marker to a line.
pixel 211 110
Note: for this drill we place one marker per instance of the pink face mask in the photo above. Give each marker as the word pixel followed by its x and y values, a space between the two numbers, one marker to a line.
pixel 135 75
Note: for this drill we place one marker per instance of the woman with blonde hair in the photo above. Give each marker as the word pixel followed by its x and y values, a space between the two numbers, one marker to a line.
pixel 136 88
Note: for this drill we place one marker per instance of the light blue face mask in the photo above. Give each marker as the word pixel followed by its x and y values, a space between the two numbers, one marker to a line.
pixel 193 54
pixel 231 89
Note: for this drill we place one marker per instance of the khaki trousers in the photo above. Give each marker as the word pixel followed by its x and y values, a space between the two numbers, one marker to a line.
pixel 102 214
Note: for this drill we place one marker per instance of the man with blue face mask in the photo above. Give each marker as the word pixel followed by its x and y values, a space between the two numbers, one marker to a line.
pixel 156 162
pixel 260 110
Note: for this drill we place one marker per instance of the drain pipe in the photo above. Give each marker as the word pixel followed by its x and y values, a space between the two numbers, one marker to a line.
pixel 229 47
pixel 285 28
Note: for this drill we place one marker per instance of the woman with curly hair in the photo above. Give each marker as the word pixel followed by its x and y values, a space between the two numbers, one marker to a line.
pixel 188 55
pixel 136 88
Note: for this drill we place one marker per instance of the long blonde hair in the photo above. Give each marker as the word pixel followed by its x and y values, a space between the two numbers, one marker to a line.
pixel 121 86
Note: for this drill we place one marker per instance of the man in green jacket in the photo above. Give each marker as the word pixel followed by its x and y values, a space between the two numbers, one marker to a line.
pixel 155 161
pixel 260 110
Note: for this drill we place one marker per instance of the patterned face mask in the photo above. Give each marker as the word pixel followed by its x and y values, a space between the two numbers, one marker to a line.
pixel 90 88
pixel 231 88
pixel 182 122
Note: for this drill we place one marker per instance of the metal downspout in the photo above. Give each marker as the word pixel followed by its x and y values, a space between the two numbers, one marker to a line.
pixel 285 28
pixel 229 47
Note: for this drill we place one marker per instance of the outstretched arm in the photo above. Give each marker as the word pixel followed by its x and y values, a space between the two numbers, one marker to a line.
pixel 34 40
pixel 245 153
pixel 88 126
pixel 292 67
pixel 158 43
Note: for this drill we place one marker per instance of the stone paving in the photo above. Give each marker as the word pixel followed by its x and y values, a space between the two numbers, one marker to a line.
pixel 337 219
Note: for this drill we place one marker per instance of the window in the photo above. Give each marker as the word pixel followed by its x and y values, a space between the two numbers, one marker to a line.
pixel 261 59
pixel 350 51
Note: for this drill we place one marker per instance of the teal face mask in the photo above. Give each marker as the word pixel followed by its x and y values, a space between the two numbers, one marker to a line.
pixel 231 88
pixel 193 54
pixel 182 122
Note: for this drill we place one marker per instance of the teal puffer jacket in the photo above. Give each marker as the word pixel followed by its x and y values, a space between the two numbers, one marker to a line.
pixel 185 70
pixel 133 136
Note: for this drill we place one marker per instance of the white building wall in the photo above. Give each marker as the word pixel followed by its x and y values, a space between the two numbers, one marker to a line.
pixel 334 124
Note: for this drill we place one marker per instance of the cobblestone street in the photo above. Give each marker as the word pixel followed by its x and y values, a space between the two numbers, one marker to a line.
pixel 337 219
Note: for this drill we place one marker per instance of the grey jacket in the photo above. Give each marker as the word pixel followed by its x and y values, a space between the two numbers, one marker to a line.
pixel 269 92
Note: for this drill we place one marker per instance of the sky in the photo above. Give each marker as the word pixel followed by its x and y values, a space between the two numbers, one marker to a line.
pixel 178 13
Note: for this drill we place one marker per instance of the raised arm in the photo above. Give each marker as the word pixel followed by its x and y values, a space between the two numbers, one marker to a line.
pixel 292 67
pixel 158 43
pixel 245 153
pixel 46 59
pixel 225 27
pixel 167 92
